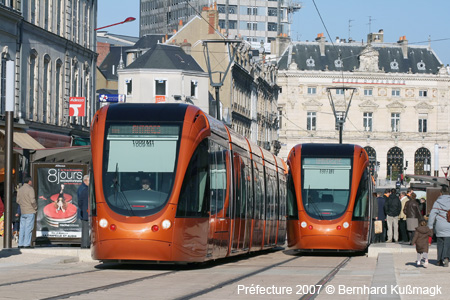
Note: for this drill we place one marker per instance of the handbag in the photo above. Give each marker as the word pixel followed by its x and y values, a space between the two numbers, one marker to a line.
pixel 378 226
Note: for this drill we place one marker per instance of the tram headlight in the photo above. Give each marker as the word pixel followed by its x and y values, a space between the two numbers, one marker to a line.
pixel 303 224
pixel 166 224
pixel 103 223
pixel 346 225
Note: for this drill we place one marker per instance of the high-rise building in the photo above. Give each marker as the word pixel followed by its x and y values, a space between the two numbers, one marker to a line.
pixel 253 21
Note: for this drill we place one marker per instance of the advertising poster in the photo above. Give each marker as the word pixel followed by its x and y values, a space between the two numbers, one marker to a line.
pixel 56 188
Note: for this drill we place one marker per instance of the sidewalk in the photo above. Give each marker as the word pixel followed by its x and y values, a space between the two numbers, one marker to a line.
pixel 61 254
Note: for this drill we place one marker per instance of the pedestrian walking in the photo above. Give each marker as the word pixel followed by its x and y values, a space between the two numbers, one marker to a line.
pixel 413 215
pixel 26 198
pixel 438 221
pixel 421 238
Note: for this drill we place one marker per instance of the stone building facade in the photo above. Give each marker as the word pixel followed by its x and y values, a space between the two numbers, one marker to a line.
pixel 53 46
pixel 399 111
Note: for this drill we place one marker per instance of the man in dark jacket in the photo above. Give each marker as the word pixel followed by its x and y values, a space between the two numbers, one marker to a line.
pixel 381 237
pixel 83 213
pixel 392 208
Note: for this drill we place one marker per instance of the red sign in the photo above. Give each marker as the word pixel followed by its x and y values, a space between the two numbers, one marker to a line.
pixel 159 99
pixel 77 107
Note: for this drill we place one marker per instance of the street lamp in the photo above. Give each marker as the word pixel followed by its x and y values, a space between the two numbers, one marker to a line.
pixel 129 19
pixel 340 115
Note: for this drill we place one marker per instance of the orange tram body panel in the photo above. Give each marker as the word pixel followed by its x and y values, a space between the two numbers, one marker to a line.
pixel 330 198
pixel 208 192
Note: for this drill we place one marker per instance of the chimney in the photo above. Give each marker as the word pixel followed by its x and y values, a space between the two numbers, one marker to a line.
pixel 180 24
pixel 212 15
pixel 377 37
pixel 321 40
pixel 280 44
pixel 403 42
pixel 186 47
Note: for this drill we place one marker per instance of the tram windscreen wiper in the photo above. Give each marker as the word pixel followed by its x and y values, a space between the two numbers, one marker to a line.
pixel 312 203
pixel 118 191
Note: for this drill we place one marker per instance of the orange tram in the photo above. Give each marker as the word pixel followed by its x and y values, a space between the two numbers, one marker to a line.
pixel 329 198
pixel 209 192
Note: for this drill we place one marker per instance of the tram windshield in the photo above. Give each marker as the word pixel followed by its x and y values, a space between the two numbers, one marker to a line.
pixel 326 186
pixel 139 167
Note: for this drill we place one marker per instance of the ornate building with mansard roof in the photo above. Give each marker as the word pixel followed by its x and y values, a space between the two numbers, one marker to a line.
pixel 399 111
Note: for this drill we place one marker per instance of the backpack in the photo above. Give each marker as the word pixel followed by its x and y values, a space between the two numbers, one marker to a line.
pixel 447 214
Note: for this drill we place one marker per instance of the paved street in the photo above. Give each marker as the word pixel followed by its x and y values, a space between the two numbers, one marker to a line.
pixel 388 272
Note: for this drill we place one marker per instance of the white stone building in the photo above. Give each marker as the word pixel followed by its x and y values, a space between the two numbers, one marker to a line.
pixel 164 73
pixel 399 112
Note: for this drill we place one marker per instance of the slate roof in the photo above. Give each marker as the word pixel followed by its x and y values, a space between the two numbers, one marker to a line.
pixel 306 55
pixel 163 56
pixel 149 40
pixel 113 59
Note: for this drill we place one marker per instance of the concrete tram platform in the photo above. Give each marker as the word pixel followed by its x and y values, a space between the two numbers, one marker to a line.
pixel 76 254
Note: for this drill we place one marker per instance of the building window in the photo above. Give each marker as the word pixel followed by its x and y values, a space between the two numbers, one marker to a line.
pixel 368 92
pixel 252 26
pixel 311 120
pixel 340 92
pixel 272 27
pixel 232 24
pixel 312 90
pixel 423 93
pixel 367 121
pixel 46 88
pixel 32 79
pixel 232 9
pixel 253 11
pixel 221 8
pixel 129 86
pixel 423 122
pixel 58 91
pixel 272 12
pixel 395 122
pixel 194 88
pixel 395 92
pixel 160 87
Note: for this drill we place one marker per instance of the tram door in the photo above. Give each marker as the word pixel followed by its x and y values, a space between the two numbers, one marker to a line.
pixel 220 180
pixel 242 204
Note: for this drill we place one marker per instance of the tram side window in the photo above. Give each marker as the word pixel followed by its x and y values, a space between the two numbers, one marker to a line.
pixel 292 208
pixel 259 191
pixel 361 210
pixel 218 175
pixel 195 188
pixel 248 196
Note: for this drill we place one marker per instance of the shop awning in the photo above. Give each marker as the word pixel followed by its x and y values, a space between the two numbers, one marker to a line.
pixel 24 140
pixel 80 154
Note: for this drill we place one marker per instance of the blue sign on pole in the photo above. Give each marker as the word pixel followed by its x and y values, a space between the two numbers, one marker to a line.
pixel 111 98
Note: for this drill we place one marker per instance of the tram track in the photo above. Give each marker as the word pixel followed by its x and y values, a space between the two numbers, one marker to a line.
pixel 327 278
pixel 148 280
pixel 234 280
pixel 46 278
pixel 108 286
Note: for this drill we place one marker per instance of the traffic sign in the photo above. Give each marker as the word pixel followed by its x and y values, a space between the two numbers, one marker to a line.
pixel 111 98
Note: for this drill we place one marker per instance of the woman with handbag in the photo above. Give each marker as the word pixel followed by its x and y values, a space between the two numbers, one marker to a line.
pixel 413 215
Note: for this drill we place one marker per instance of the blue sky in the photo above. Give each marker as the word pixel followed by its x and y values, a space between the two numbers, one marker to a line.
pixel 417 20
